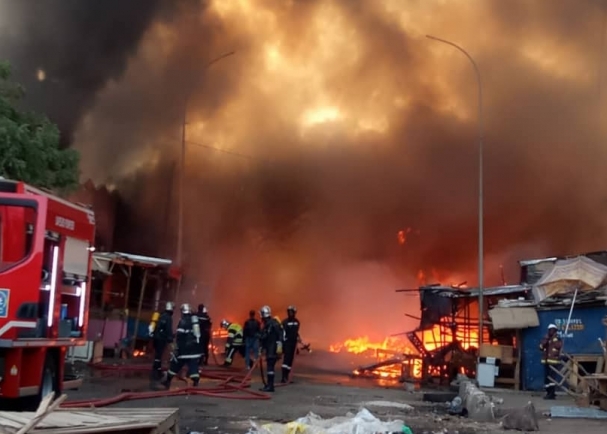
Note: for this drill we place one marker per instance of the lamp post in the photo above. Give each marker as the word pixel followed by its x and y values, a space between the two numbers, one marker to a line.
pixel 179 255
pixel 480 184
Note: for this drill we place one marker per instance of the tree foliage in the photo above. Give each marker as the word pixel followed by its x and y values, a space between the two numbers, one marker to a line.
pixel 29 143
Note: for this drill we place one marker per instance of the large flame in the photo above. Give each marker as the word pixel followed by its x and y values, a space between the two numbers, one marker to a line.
pixel 402 351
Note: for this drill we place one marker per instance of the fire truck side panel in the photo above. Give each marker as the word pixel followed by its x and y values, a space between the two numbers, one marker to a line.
pixel 19 281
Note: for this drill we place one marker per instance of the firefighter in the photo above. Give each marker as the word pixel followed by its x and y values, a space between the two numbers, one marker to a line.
pixel 187 350
pixel 206 325
pixel 235 342
pixel 272 338
pixel 161 332
pixel 251 332
pixel 290 327
pixel 550 346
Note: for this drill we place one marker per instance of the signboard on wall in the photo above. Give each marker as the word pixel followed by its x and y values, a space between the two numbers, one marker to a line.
pixel 575 325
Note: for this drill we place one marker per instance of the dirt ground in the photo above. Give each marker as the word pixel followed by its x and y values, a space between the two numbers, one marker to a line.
pixel 321 386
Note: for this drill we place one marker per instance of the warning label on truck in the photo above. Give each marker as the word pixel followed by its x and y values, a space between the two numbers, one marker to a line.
pixel 4 299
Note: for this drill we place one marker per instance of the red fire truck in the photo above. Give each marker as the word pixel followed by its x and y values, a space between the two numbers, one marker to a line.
pixel 46 244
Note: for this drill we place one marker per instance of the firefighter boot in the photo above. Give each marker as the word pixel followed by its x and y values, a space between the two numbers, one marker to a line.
pixel 285 376
pixel 167 381
pixel 270 386
pixel 195 381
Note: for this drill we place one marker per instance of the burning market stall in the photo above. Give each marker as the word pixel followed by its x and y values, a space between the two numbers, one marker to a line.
pixel 447 337
pixel 130 296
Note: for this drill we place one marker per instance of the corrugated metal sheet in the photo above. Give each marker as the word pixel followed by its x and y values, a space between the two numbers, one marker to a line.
pixel 569 412
pixel 513 318
pixel 582 338
pixel 448 291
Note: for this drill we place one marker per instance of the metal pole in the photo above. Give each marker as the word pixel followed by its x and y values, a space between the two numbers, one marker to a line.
pixel 139 306
pixel 481 276
pixel 179 255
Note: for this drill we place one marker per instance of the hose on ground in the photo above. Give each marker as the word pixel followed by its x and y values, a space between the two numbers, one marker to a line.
pixel 231 386
pixel 225 389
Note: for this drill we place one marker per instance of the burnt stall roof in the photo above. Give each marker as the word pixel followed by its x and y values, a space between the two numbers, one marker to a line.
pixel 438 302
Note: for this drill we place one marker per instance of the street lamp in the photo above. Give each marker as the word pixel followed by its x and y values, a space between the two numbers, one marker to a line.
pixel 179 255
pixel 480 184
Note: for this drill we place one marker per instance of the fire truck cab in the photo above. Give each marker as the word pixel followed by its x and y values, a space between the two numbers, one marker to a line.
pixel 46 244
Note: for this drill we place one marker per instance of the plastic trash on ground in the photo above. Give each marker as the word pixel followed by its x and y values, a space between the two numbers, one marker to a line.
pixel 361 423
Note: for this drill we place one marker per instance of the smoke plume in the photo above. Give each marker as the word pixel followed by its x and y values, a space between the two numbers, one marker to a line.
pixel 336 125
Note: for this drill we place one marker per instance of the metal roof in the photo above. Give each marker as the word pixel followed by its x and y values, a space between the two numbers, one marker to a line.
pixel 536 261
pixel 449 291
pixel 125 258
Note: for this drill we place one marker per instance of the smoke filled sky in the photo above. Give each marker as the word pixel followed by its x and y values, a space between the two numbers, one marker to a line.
pixel 335 125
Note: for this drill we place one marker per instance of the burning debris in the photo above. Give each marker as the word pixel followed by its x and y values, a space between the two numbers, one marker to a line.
pixel 444 344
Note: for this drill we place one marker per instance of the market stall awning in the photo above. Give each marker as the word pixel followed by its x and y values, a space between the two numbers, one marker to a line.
pixel 103 261
pixel 513 318
pixel 568 275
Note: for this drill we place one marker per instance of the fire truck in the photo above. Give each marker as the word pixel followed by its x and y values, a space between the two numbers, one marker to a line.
pixel 46 245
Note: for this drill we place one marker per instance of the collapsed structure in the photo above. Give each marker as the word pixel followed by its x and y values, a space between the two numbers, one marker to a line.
pixel 567 291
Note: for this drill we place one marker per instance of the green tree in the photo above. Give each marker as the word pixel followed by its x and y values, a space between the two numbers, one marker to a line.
pixel 29 143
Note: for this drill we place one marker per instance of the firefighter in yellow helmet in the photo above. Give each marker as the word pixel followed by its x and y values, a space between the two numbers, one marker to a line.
pixel 235 342
pixel 161 332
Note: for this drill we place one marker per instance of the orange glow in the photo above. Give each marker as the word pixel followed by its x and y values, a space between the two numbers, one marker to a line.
pixel 455 281
pixel 389 348
pixel 403 352
pixel 137 353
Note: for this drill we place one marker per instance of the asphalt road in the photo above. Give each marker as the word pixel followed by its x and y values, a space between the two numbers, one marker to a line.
pixel 321 386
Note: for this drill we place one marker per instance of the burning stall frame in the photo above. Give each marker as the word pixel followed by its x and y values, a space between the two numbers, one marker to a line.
pixel 449 329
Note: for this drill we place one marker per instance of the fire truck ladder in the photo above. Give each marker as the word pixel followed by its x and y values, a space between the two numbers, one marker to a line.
pixel 418 344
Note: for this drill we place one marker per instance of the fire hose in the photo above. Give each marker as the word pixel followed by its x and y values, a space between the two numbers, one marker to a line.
pixel 225 389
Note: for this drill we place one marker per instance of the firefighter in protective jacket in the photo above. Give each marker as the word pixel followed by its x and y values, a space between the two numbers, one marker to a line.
pixel 161 332
pixel 550 346
pixel 235 342
pixel 187 350
pixel 291 337
pixel 206 325
pixel 271 340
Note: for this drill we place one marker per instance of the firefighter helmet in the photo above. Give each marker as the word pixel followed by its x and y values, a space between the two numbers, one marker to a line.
pixel 552 326
pixel 292 309
pixel 170 306
pixel 225 323
pixel 265 312
pixel 186 308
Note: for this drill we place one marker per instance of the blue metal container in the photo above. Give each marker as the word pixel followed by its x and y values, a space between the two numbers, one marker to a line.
pixel 582 338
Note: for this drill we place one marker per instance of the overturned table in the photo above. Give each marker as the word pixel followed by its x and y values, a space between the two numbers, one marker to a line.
pixel 96 420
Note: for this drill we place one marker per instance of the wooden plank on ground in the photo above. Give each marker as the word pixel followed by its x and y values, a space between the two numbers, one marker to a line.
pixel 106 420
